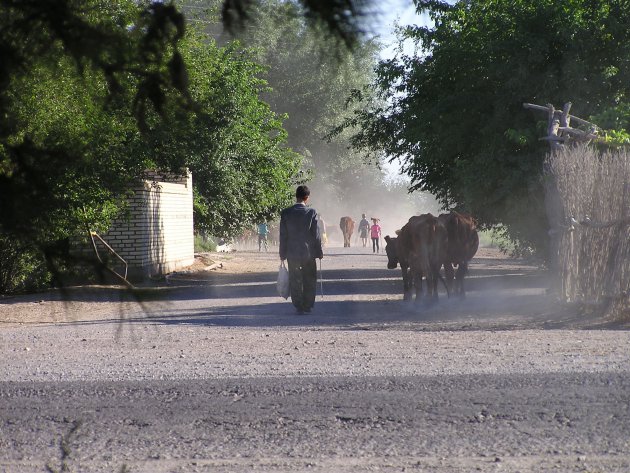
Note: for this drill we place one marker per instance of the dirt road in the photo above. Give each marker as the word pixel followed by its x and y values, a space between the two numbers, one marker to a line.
pixel 215 373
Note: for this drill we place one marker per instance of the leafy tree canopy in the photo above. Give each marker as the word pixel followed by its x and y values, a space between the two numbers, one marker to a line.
pixel 236 147
pixel 95 93
pixel 454 113
pixel 77 79
pixel 343 19
pixel 311 76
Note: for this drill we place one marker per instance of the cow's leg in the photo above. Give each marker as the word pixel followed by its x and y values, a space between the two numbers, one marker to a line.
pixel 462 269
pixel 429 292
pixel 435 277
pixel 417 280
pixel 449 275
pixel 406 283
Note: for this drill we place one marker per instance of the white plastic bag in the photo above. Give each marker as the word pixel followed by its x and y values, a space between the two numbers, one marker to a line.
pixel 283 281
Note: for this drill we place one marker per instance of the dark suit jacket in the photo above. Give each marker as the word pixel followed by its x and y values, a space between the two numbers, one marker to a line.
pixel 299 234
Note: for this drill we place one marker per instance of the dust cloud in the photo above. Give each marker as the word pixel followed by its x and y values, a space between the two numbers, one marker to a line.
pixel 388 201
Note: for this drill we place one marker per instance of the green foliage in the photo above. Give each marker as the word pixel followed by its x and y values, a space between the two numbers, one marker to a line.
pixel 77 78
pixel 616 123
pixel 311 76
pixel 342 20
pixel 93 99
pixel 497 238
pixel 204 244
pixel 234 144
pixel 617 138
pixel 21 268
pixel 455 115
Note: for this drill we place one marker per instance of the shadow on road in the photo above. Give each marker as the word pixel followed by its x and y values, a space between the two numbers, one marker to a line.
pixel 336 282
pixel 501 295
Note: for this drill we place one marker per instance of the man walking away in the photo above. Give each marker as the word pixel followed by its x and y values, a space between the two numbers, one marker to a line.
pixel 364 227
pixel 263 231
pixel 301 245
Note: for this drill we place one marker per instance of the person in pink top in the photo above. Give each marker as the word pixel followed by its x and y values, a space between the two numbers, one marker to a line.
pixel 375 233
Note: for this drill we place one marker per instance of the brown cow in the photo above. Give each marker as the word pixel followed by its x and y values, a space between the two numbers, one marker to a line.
pixel 420 249
pixel 463 242
pixel 347 228
pixel 396 256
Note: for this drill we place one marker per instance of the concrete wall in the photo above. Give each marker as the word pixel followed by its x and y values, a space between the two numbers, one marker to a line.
pixel 158 237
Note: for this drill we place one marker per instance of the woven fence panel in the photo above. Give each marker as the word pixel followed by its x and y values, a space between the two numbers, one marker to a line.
pixel 594 231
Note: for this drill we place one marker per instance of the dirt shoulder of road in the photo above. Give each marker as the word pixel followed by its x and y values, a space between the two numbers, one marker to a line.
pixel 97 302
pixel 234 262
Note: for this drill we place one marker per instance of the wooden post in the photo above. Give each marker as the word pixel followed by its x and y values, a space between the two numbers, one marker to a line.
pixel 553 124
pixel 565 118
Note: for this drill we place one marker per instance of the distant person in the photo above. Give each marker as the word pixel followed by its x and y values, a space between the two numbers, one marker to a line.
pixel 301 245
pixel 375 233
pixel 364 228
pixel 321 224
pixel 263 232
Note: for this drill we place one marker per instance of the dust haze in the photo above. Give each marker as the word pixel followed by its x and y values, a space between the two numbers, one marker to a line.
pixel 390 202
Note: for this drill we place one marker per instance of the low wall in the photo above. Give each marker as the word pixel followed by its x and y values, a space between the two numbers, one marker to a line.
pixel 158 236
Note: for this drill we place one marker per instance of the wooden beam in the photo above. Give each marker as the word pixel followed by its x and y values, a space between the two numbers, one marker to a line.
pixel 569 117
pixel 579 133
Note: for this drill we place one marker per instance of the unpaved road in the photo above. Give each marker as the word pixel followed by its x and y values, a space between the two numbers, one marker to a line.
pixel 215 373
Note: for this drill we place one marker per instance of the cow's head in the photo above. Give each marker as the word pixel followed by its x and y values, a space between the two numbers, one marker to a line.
pixel 390 249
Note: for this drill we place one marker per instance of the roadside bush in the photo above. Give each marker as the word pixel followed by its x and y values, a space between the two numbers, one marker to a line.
pixel 22 269
pixel 496 238
pixel 204 244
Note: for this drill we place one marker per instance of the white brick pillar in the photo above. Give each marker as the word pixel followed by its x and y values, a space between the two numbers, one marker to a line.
pixel 158 237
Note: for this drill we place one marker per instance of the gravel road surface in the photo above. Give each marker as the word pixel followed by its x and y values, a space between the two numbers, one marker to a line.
pixel 211 371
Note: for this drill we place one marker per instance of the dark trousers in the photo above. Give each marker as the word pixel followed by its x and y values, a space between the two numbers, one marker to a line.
pixel 374 245
pixel 303 283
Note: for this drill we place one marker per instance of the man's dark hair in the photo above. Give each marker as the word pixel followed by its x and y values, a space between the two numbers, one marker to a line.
pixel 302 192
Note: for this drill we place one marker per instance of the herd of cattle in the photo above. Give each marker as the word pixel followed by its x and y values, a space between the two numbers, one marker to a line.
pixel 425 244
